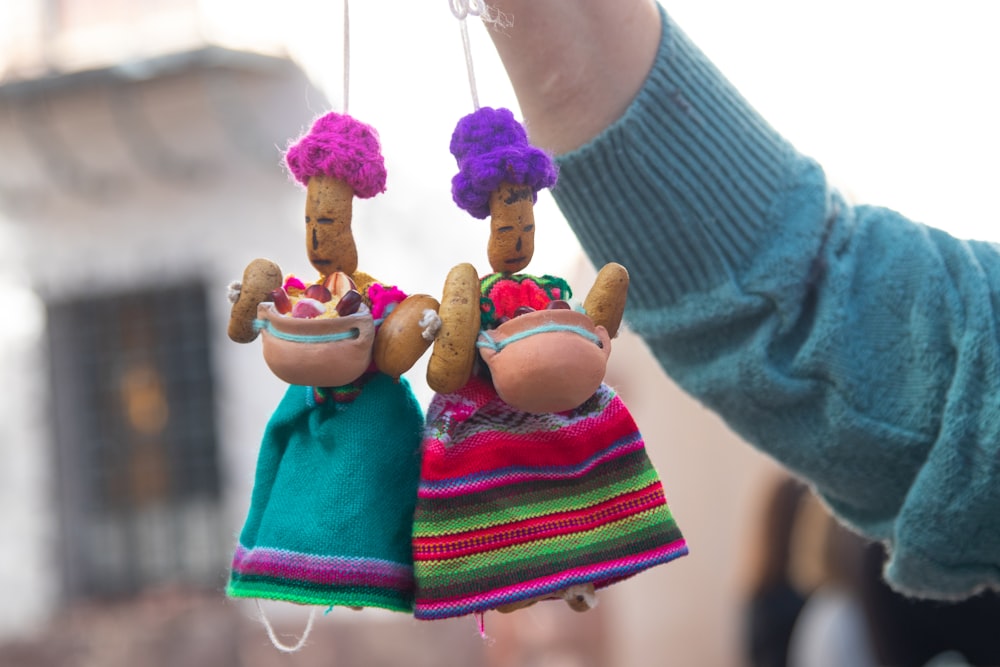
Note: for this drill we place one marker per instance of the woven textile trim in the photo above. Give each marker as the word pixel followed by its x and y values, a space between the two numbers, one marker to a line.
pixel 513 506
pixel 320 580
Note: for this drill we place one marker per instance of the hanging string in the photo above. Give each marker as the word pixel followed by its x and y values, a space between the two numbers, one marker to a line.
pixel 462 9
pixel 347 54
pixel 284 648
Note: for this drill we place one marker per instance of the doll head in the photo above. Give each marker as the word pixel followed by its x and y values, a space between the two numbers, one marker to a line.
pixel 500 174
pixel 512 228
pixel 338 159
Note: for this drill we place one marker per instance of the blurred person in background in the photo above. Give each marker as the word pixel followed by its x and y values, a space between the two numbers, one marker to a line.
pixel 818 598
pixel 775 599
pixel 804 608
pixel 833 628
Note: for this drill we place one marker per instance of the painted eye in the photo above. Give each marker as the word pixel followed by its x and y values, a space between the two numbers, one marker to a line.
pixel 325 221
pixel 529 228
pixel 308 219
pixel 505 228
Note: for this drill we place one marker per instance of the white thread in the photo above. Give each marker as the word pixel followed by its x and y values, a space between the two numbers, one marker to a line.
pixel 284 648
pixel 484 12
pixel 462 9
pixel 581 593
pixel 347 55
pixel 233 291
pixel 430 323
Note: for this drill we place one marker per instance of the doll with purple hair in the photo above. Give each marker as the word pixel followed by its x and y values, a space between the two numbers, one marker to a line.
pixel 331 511
pixel 535 482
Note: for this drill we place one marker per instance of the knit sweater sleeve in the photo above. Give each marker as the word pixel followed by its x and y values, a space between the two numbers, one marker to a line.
pixel 857 347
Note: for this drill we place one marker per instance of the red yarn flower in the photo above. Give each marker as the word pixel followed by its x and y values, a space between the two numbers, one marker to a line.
pixel 509 295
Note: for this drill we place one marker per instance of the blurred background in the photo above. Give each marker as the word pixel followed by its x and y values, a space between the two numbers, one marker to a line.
pixel 140 170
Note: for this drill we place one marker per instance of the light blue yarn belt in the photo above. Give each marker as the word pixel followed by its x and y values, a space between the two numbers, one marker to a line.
pixel 265 325
pixel 545 328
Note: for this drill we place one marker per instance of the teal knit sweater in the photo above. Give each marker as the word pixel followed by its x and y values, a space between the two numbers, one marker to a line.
pixel 858 348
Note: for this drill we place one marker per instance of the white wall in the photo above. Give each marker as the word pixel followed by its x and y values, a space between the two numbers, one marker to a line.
pixel 145 230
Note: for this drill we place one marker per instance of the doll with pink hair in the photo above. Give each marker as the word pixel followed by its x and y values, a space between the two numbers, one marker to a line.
pixel 331 512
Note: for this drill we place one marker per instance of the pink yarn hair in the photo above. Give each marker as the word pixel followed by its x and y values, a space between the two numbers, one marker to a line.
pixel 340 147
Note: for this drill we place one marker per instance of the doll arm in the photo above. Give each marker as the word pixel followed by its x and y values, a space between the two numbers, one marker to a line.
pixel 401 338
pixel 605 303
pixel 260 278
pixel 454 354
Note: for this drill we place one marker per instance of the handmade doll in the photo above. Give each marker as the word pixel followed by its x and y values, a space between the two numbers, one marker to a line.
pixel 535 482
pixel 331 512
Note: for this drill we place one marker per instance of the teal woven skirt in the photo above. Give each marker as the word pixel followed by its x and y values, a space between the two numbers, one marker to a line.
pixel 331 514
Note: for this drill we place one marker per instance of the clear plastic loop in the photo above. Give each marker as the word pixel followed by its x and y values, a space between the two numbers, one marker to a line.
pixel 460 8
pixel 465 8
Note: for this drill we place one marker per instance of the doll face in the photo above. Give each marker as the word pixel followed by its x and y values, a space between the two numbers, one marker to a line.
pixel 329 241
pixel 512 228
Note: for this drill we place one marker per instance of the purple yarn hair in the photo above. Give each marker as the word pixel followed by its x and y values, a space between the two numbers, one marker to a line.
pixel 491 147
pixel 340 147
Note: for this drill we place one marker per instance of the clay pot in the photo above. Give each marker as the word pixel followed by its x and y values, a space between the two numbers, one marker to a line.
pixel 320 352
pixel 546 361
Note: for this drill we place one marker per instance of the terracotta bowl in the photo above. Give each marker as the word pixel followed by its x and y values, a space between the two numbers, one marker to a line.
pixel 320 352
pixel 546 361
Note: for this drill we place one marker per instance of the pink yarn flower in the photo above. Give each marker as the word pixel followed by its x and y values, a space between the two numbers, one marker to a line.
pixel 383 297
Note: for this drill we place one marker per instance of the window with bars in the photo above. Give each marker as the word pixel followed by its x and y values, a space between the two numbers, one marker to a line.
pixel 136 454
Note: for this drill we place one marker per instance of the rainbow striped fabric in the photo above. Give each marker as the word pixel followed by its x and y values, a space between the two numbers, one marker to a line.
pixel 513 506
pixel 279 574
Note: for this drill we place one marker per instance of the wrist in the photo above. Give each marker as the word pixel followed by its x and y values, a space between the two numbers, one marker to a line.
pixel 574 67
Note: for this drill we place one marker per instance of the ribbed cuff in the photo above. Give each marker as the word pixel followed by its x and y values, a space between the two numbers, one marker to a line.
pixel 695 168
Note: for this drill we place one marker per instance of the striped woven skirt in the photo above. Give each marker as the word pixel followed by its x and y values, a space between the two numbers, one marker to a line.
pixel 515 506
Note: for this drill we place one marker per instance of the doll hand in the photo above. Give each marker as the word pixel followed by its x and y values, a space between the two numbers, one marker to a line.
pixel 605 303
pixel 260 278
pixel 402 337
pixel 455 352
pixel 430 325
pixel 233 291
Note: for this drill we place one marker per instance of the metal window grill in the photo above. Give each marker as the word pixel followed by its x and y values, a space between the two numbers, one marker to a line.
pixel 136 447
